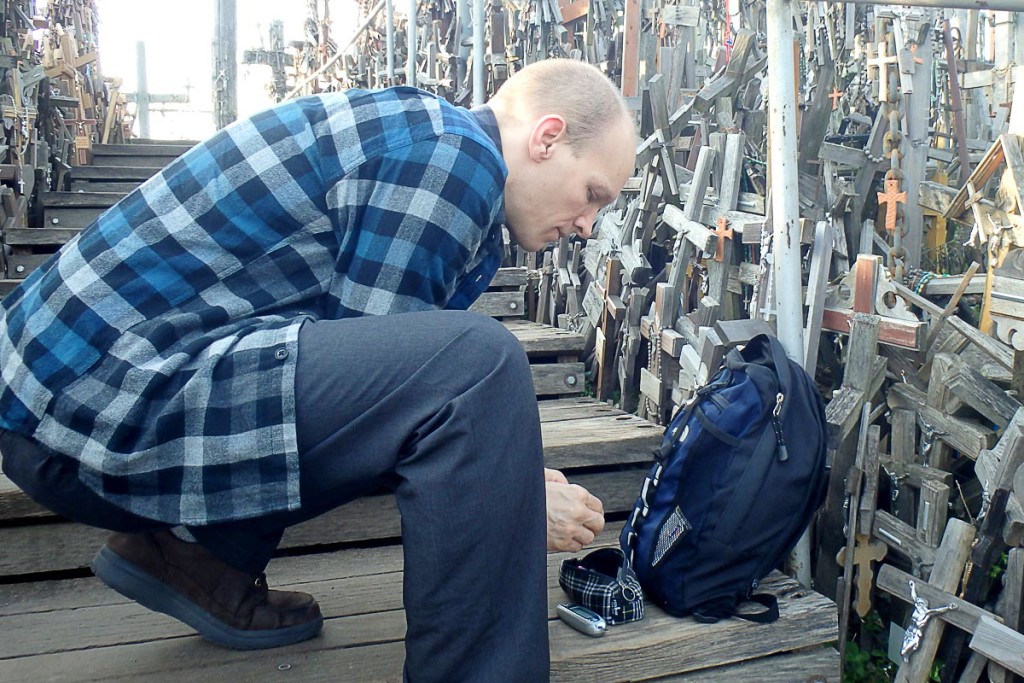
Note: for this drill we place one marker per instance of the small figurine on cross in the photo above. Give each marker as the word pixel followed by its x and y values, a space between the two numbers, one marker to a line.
pixel 918 620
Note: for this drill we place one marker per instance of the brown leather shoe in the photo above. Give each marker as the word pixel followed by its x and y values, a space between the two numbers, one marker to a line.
pixel 184 580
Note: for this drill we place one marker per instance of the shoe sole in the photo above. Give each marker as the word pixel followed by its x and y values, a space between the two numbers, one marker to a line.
pixel 135 584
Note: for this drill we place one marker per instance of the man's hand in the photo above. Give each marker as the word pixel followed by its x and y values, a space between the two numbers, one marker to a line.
pixel 574 515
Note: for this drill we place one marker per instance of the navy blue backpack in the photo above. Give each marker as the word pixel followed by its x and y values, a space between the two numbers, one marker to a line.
pixel 739 475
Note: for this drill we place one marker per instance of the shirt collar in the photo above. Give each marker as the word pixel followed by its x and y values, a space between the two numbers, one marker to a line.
pixel 485 117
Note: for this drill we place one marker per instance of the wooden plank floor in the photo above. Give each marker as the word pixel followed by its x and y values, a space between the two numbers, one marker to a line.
pixel 78 630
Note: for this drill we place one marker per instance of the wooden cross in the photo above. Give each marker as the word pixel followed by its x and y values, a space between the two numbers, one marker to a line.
pixel 913 52
pixel 613 311
pixel 890 198
pixel 665 347
pixel 835 96
pixel 723 232
pixel 881 63
pixel 891 330
pixel 865 552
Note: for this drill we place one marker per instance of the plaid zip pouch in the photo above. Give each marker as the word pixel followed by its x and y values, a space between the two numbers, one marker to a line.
pixel 604 582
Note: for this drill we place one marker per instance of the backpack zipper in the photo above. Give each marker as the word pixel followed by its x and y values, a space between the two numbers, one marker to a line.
pixel 776 422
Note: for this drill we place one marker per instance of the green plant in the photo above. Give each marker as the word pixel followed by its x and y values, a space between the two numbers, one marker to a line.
pixel 872 623
pixel 867 667
pixel 999 567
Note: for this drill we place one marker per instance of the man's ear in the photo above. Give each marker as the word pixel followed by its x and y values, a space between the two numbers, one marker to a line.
pixel 547 131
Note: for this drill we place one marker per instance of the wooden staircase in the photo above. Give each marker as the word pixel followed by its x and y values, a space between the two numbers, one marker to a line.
pixel 116 170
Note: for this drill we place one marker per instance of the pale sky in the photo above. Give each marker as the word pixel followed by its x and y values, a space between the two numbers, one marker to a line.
pixel 179 52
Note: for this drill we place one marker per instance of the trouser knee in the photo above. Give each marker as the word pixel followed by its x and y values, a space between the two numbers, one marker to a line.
pixel 495 353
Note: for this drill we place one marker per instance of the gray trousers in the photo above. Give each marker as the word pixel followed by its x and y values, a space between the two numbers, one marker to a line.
pixel 438 406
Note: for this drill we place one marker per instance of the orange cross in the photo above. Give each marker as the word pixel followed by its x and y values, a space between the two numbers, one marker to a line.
pixel 913 52
pixel 891 197
pixel 723 232
pixel 835 96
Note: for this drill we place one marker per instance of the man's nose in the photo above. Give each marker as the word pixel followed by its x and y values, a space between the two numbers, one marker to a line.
pixel 585 224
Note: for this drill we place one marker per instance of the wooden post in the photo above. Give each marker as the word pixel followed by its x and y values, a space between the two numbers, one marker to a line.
pixel 142 89
pixel 225 68
pixel 631 49
pixel 915 151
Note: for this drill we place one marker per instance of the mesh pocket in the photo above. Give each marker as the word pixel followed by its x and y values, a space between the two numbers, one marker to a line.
pixel 673 529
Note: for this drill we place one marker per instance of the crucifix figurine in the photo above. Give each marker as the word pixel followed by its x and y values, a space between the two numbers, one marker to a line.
pixel 918 620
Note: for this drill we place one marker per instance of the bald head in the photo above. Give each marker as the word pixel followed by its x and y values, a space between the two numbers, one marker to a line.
pixel 569 143
pixel 574 90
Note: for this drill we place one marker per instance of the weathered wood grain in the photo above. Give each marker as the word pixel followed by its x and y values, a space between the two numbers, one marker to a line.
pixel 1000 644
pixel 18 237
pixel 134 150
pixel 367 646
pixel 540 339
pixel 69 199
pixel 71 217
pixel 556 379
pixel 817 664
pixel 115 173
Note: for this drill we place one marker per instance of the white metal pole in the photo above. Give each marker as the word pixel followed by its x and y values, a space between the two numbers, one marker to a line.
pixel 411 41
pixel 478 53
pixel 389 28
pixel 784 180
pixel 785 207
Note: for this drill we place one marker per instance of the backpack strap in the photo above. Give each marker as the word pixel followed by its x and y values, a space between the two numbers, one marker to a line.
pixel 780 360
pixel 716 611
pixel 771 612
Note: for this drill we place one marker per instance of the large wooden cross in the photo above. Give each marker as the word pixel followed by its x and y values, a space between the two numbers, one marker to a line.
pixel 612 312
pixel 665 346
pixel 890 199
pixel 881 63
pixel 892 330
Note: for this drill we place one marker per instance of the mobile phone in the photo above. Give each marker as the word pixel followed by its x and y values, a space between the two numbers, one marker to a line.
pixel 584 620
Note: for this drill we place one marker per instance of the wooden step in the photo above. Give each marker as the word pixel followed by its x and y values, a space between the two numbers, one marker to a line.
pixel 75 210
pixel 7 285
pixel 80 199
pixel 597 446
pixel 134 149
pixel 114 173
pixel 154 141
pixel 80 630
pixel 132 161
pixel 122 187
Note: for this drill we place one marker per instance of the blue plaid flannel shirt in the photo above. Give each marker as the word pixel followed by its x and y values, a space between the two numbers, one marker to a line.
pixel 158 347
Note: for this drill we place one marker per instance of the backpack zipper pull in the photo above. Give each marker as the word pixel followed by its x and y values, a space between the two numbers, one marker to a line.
pixel 776 412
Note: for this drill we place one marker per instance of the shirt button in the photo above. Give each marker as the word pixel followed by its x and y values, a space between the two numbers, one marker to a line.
pixel 281 353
